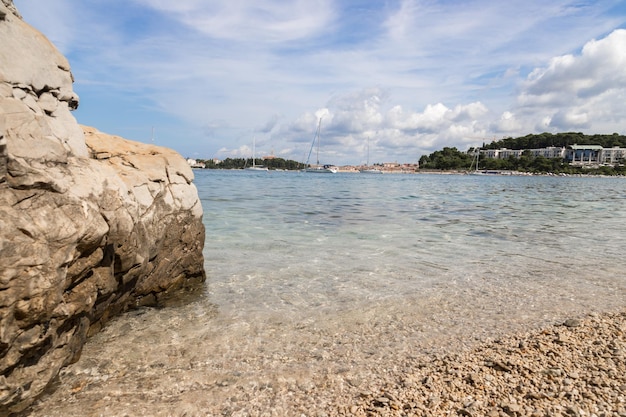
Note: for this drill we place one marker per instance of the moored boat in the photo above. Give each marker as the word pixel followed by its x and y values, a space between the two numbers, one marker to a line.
pixel 254 166
pixel 322 169
pixel 317 168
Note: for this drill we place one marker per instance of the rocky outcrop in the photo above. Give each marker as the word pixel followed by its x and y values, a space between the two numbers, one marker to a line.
pixel 90 224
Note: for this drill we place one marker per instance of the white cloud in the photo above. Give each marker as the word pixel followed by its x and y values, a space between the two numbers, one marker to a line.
pixel 584 90
pixel 570 118
pixel 435 117
pixel 241 20
pixel 599 67
pixel 411 75
pixel 353 119
pixel 507 123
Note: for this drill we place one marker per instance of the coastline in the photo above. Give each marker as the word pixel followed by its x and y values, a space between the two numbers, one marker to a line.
pixel 491 173
pixel 571 368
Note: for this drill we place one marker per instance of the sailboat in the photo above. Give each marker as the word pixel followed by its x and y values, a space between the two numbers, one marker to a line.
pixel 318 169
pixel 368 169
pixel 254 166
pixel 476 159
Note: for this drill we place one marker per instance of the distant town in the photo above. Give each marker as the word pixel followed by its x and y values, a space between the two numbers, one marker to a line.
pixel 567 153
pixel 279 164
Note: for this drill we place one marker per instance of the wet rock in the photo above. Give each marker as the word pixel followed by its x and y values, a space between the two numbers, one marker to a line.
pixel 571 323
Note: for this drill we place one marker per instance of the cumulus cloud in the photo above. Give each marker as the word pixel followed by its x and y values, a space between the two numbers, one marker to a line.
pixel 356 112
pixel 507 123
pixel 354 120
pixel 599 67
pixel 435 117
pixel 575 90
pixel 430 120
pixel 411 75
pixel 571 119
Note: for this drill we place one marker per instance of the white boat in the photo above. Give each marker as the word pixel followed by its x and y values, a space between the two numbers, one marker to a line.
pixel 254 166
pixel 317 168
pixel 476 159
pixel 322 169
pixel 368 169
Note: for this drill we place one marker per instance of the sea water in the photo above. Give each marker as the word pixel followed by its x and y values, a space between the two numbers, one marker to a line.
pixel 294 245
pixel 318 282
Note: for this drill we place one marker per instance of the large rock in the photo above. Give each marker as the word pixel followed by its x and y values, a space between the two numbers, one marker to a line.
pixel 90 224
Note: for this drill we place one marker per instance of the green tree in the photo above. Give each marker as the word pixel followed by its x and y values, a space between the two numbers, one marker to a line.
pixel 446 159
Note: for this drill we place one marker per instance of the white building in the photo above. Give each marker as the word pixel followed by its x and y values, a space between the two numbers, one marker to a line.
pixel 507 153
pixel 549 152
pixel 583 154
pixel 575 154
pixel 612 156
pixel 195 164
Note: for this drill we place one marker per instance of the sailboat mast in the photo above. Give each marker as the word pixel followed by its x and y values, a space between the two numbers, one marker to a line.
pixel 316 137
pixel 319 125
pixel 477 171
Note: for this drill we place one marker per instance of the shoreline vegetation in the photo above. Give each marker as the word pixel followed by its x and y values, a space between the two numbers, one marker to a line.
pixel 574 367
pixel 451 160
pixel 527 162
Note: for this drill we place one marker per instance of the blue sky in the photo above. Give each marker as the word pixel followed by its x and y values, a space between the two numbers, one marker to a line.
pixel 408 76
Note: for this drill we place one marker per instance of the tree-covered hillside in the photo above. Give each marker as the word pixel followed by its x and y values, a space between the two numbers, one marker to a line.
pixel 453 159
pixel 545 140
pixel 446 159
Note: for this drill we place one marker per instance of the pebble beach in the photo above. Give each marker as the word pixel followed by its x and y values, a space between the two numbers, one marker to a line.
pixel 574 367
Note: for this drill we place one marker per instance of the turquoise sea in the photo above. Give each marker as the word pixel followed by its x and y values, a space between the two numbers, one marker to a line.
pixel 296 245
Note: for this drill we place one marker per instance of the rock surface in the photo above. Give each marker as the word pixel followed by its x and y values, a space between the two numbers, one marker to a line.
pixel 90 224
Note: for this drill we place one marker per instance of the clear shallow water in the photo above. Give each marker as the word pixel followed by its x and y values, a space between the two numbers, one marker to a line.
pixel 294 245
pixel 318 284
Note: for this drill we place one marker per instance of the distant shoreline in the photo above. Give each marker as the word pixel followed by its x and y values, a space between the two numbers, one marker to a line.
pixel 492 173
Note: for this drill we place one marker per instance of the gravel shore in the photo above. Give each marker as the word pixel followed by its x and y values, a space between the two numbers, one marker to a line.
pixel 576 367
